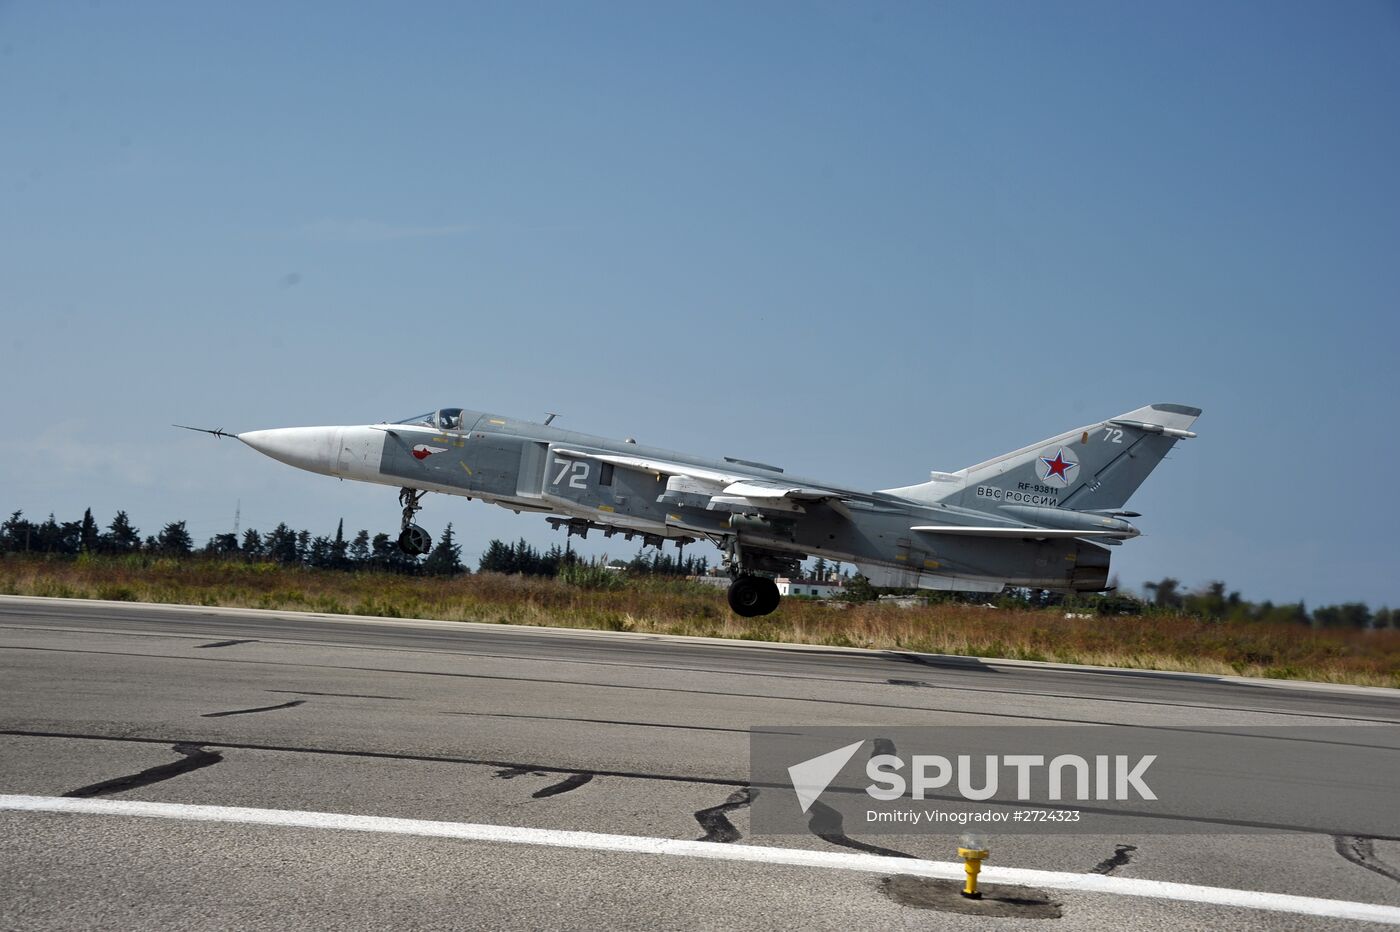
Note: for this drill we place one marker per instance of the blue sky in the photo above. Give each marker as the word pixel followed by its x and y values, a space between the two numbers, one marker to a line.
pixel 858 240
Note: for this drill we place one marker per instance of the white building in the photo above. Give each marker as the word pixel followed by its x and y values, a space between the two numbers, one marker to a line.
pixel 810 588
pixel 807 588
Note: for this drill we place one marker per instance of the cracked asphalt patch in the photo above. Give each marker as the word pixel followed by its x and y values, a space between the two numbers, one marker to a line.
pixel 828 825
pixel 569 783
pixel 716 823
pixel 1122 854
pixel 193 757
pixel 262 708
pixel 1362 852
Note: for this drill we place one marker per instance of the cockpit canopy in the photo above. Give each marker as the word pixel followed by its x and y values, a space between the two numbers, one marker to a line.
pixel 442 419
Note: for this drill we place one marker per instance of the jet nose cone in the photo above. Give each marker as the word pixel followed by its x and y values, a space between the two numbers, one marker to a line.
pixel 312 448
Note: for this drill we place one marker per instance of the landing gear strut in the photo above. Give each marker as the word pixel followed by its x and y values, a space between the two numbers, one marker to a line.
pixel 413 540
pixel 751 596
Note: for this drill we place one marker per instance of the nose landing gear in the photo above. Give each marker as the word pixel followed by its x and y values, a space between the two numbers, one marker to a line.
pixel 413 540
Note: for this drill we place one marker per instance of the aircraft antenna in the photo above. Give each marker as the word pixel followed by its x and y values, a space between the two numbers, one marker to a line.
pixel 220 433
pixel 549 416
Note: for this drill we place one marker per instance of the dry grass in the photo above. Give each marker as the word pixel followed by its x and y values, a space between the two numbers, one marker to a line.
pixel 1155 642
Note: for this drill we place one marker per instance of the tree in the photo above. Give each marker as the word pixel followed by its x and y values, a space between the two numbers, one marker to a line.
pixel 520 557
pixel 359 549
pixel 88 533
pixel 819 569
pixel 1346 615
pixel 340 549
pixel 528 559
pixel 319 553
pixel 280 545
pixel 446 557
pixel 15 534
pixel 493 558
pixel 1165 593
pixel 174 540
pixel 121 537
pixel 1211 602
pixel 386 554
pixel 252 544
pixel 222 545
pixel 52 537
pixel 381 551
pixel 860 590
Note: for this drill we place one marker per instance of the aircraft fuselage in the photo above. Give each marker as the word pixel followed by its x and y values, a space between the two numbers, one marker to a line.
pixel 529 466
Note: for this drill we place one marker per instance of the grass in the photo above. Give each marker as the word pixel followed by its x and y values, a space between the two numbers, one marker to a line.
pixel 669 606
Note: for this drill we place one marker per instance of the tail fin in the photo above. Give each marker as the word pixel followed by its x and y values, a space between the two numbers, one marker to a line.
pixel 1092 468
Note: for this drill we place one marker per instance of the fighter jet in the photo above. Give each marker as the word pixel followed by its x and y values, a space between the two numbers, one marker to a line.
pixel 1041 517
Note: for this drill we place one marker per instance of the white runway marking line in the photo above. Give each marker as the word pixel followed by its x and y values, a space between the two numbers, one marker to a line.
pixel 594 841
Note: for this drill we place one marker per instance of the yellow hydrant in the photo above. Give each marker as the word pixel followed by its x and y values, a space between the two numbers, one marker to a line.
pixel 973 850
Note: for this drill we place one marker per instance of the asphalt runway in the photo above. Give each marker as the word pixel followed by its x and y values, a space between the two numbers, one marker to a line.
pixel 528 737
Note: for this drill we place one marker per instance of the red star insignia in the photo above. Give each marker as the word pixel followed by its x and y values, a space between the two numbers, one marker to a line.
pixel 1059 466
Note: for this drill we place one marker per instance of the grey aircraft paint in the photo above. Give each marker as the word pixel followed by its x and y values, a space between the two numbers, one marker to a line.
pixel 1042 516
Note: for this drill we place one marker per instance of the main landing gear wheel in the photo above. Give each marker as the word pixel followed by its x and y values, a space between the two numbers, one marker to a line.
pixel 751 596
